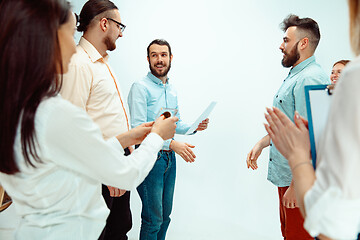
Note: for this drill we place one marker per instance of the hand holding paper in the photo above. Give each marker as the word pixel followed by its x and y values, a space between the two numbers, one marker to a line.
pixel 203 125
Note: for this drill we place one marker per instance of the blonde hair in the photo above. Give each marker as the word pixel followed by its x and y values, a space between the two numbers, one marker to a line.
pixel 354 15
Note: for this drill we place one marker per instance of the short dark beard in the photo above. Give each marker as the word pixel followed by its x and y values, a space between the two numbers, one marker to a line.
pixel 109 45
pixel 290 59
pixel 153 71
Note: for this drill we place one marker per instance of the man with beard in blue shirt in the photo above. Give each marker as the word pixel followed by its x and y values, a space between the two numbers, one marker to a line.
pixel 301 38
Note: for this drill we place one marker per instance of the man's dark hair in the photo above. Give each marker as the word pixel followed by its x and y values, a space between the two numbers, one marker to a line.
pixel 91 9
pixel 159 42
pixel 306 26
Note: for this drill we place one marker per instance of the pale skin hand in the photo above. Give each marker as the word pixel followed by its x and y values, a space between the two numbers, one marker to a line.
pixel 116 192
pixel 288 138
pixel 135 135
pixel 203 125
pixel 322 237
pixel 165 128
pixel 184 150
pixel 289 198
pixel 292 141
pixel 251 159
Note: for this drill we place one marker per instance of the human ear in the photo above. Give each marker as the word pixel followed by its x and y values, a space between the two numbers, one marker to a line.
pixel 103 24
pixel 304 43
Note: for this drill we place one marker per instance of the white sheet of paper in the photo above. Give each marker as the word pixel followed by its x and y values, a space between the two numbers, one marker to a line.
pixel 320 106
pixel 202 117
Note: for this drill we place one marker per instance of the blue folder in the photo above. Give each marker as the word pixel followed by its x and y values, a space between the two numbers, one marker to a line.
pixel 318 100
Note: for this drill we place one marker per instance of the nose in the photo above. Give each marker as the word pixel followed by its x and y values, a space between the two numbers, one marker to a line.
pixel 282 46
pixel 120 33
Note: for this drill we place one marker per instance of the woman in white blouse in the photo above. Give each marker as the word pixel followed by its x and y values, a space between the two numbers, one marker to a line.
pixel 53 158
pixel 330 197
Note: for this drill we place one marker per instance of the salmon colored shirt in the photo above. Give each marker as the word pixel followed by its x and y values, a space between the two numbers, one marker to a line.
pixel 91 84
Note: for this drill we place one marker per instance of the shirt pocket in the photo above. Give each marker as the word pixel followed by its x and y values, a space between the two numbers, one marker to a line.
pixel 171 98
pixel 286 104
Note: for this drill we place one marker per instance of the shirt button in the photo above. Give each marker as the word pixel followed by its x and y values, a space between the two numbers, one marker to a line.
pixel 270 144
pixel 280 101
pixel 277 96
pixel 270 159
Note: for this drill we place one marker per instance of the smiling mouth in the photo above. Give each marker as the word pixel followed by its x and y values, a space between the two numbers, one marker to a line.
pixel 159 66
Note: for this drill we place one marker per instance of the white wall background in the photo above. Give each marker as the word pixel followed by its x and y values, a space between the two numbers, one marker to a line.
pixel 225 51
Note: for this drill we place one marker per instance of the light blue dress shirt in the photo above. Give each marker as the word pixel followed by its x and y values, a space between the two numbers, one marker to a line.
pixel 147 97
pixel 291 97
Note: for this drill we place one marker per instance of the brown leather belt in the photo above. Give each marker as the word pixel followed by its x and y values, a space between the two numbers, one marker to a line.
pixel 165 150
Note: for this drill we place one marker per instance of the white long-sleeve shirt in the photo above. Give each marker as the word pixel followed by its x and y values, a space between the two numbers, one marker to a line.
pixel 333 203
pixel 61 198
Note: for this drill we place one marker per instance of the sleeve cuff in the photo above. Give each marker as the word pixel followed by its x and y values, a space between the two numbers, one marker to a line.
pixel 329 213
pixel 114 143
pixel 154 140
pixel 166 145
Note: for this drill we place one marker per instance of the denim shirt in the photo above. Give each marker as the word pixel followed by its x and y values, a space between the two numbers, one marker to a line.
pixel 145 99
pixel 291 97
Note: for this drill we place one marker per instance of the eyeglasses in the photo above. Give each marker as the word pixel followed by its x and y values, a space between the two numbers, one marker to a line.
pixel 119 25
pixel 77 18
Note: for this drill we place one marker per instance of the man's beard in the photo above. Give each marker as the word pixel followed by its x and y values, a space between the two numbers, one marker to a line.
pixel 153 71
pixel 290 59
pixel 110 45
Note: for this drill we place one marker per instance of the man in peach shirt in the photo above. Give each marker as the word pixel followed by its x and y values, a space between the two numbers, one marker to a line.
pixel 91 84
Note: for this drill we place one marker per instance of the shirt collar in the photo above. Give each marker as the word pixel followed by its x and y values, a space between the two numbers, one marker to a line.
pixel 155 79
pixel 94 55
pixel 298 68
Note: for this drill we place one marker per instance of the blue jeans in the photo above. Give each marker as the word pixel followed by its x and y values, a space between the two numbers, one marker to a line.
pixel 156 193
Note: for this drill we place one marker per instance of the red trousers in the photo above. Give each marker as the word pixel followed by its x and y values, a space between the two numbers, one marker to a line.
pixel 291 221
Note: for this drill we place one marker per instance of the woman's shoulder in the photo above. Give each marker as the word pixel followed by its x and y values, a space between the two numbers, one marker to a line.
pixel 56 112
pixel 54 104
pixel 353 67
